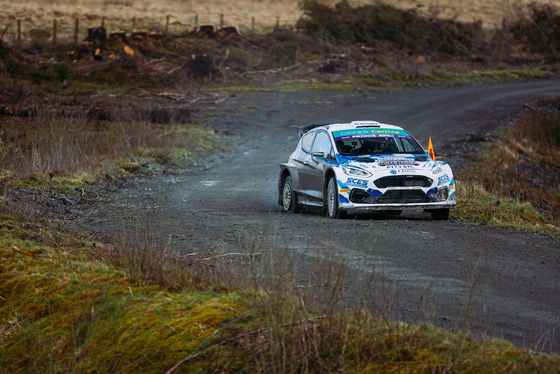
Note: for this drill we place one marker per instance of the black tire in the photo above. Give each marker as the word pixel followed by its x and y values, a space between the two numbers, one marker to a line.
pixel 289 198
pixel 440 214
pixel 331 209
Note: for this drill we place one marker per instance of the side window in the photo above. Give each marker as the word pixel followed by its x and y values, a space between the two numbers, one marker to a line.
pixel 322 143
pixel 307 141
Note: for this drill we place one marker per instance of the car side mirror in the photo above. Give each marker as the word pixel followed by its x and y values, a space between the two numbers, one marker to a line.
pixel 318 154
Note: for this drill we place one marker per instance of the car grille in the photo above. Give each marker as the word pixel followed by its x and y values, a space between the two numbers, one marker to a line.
pixel 403 196
pixel 403 181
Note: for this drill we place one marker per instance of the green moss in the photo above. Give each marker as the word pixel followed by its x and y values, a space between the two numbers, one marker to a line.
pixel 504 212
pixel 63 310
pixel 439 78
pixel 62 305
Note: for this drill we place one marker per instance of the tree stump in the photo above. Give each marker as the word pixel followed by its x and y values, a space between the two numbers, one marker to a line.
pixel 201 66
pixel 97 33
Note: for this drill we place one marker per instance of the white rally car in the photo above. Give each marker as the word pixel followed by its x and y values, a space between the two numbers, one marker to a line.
pixel 364 166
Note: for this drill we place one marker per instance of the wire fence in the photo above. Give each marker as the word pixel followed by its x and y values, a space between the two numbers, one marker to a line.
pixel 74 30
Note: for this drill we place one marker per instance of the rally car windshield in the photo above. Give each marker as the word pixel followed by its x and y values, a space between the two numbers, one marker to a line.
pixel 361 142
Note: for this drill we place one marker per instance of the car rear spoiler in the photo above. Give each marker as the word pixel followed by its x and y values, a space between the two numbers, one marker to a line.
pixel 305 128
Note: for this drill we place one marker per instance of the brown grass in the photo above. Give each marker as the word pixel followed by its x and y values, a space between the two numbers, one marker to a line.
pixel 519 177
pixel 57 135
pixel 60 145
pixel 150 15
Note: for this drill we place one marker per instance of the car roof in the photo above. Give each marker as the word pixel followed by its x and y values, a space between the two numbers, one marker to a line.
pixel 345 126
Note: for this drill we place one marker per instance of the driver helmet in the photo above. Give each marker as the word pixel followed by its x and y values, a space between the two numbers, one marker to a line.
pixel 378 145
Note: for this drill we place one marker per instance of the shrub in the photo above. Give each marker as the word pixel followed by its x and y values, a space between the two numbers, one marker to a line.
pixel 371 24
pixel 280 54
pixel 539 30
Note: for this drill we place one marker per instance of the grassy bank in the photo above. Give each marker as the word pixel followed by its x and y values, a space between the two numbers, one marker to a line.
pixel 66 307
pixel 515 182
pixel 66 141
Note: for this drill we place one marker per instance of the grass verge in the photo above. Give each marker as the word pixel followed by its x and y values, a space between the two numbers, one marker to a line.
pixel 62 141
pixel 66 307
pixel 515 183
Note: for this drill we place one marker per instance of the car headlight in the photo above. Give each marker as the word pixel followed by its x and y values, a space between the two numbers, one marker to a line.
pixel 437 170
pixel 356 172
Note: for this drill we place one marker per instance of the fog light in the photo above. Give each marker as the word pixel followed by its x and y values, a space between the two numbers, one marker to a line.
pixel 442 194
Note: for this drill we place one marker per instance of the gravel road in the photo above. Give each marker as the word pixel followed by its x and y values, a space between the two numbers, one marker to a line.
pixel 413 268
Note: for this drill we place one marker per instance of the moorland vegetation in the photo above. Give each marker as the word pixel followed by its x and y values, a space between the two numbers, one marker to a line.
pixel 76 118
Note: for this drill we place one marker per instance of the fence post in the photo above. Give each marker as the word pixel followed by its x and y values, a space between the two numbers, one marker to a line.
pixel 221 20
pixel 253 25
pixel 19 31
pixel 167 24
pixel 277 22
pixel 54 32
pixel 133 23
pixel 196 20
pixel 103 22
pixel 76 29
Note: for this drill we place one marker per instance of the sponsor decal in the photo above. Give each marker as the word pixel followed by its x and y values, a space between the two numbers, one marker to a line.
pixel 341 185
pixel 369 133
pixel 443 179
pixel 342 190
pixel 406 188
pixel 355 182
pixel 407 167
pixel 406 170
pixel 389 163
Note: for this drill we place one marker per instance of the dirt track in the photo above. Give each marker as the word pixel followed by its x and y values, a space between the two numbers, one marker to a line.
pixel 515 277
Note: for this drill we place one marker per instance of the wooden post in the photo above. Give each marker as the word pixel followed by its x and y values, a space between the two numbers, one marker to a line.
pixel 221 20
pixel 253 25
pixel 196 20
pixel 277 23
pixel 133 23
pixel 76 29
pixel 167 24
pixel 103 22
pixel 54 32
pixel 19 31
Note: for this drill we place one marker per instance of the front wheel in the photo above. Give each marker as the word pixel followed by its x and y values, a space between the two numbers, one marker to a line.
pixel 289 199
pixel 332 200
pixel 440 214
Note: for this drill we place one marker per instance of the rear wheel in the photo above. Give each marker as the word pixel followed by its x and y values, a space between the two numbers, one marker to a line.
pixel 333 210
pixel 289 199
pixel 440 214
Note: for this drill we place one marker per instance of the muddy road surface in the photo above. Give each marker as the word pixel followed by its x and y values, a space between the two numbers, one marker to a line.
pixel 456 275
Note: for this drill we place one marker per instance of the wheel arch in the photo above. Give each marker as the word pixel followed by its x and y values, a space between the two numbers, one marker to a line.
pixel 328 175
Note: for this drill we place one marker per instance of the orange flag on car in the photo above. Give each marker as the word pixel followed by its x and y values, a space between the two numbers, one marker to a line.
pixel 431 150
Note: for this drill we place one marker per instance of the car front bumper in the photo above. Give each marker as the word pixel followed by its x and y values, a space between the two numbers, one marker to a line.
pixel 362 208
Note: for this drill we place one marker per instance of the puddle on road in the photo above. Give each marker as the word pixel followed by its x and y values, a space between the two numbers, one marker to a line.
pixel 209 183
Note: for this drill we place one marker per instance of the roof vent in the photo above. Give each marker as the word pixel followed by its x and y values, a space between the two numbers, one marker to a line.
pixel 362 124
